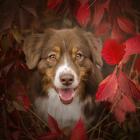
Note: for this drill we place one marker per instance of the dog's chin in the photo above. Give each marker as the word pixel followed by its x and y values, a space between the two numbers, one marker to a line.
pixel 66 95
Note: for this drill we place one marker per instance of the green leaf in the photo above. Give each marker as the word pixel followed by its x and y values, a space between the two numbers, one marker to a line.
pixel 131 125
pixel 16 35
pixel 10 108
pixel 6 43
pixel 19 104
pixel 120 135
pixel 125 127
pixel 115 127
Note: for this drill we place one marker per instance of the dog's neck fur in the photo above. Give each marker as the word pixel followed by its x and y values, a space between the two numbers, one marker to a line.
pixel 65 115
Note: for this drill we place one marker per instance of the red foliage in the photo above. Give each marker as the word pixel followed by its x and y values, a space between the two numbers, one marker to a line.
pixel 54 126
pixel 52 3
pixel 117 33
pixel 98 15
pixel 113 51
pixel 129 88
pixel 107 88
pixel 102 28
pixel 83 2
pixel 138 65
pixel 79 132
pixel 83 15
pixel 126 25
pixel 47 136
pixel 132 46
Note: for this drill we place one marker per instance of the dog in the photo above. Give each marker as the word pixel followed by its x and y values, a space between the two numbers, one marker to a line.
pixel 65 75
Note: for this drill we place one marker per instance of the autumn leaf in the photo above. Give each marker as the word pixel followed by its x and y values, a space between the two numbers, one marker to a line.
pixel 16 135
pixel 132 46
pixel 7 63
pixel 125 103
pixel 107 87
pixel 137 67
pixel 24 99
pixel 73 7
pixel 128 86
pixel 113 51
pixel 83 15
pixel 98 2
pixel 79 132
pixel 47 136
pixel 119 114
pixel 102 28
pixel 52 3
pixel 54 126
pixel 126 25
pixel 19 104
pixel 11 76
pixel 117 33
pixel 83 2
pixel 14 117
pixel 126 4
pixel 98 15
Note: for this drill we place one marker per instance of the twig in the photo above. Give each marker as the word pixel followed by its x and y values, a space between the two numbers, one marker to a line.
pixel 108 114
pixel 135 58
pixel 98 121
pixel 27 135
pixel 37 116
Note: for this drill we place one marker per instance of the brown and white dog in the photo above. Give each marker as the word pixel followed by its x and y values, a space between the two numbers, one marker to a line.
pixel 66 75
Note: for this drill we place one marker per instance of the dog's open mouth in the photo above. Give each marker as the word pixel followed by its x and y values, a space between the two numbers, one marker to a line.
pixel 66 95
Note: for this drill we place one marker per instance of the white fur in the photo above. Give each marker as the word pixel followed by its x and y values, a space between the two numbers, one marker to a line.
pixel 65 69
pixel 66 115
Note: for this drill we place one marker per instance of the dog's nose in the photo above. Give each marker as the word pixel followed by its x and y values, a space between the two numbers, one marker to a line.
pixel 66 79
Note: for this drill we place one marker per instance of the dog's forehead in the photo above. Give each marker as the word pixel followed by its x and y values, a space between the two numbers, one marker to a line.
pixel 66 41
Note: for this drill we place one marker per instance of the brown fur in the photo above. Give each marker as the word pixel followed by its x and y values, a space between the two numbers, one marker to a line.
pixel 37 48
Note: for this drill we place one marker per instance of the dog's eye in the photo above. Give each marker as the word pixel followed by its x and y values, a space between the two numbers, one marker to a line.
pixel 52 57
pixel 78 56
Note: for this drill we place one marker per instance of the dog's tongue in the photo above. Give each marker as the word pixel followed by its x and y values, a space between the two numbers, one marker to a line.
pixel 66 94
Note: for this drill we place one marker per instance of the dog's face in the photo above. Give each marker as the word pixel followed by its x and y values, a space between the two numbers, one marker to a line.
pixel 63 60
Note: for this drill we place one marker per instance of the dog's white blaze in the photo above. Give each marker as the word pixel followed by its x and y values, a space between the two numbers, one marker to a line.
pixel 65 69
pixel 66 115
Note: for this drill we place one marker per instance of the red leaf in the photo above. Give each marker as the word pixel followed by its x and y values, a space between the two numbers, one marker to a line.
pixel 16 134
pixel 102 28
pixel 54 126
pixel 61 7
pixel 138 65
pixel 11 75
pixel 83 15
pixel 119 115
pixel 132 45
pixel 52 3
pixel 98 15
pixel 126 25
pixel 24 99
pixel 124 103
pixel 112 51
pixel 83 2
pixel 73 7
pixel 7 63
pixel 14 117
pixel 117 33
pixel 107 87
pixel 47 136
pixel 114 9
pixel 128 86
pixel 126 4
pixel 23 75
pixel 98 2
pixel 79 132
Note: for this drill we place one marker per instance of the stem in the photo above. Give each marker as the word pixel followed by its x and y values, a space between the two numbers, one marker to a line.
pixel 37 116
pixel 108 114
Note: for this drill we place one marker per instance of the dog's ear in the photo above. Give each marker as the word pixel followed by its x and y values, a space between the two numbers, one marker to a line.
pixel 95 46
pixel 33 46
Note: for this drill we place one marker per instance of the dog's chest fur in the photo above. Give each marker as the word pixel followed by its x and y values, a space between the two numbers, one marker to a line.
pixel 66 115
